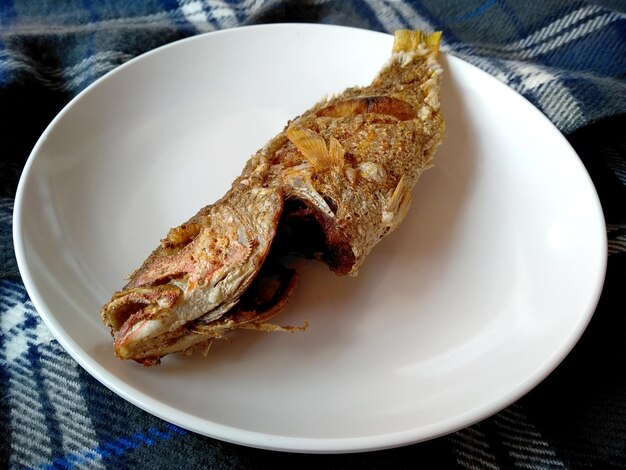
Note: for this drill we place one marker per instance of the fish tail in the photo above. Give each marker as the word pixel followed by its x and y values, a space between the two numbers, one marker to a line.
pixel 406 40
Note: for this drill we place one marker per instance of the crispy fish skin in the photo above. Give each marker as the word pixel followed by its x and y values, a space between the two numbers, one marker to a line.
pixel 346 168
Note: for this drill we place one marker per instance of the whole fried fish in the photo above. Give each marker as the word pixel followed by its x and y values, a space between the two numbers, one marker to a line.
pixel 330 186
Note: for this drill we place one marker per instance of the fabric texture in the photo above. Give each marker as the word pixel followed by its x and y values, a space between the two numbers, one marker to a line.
pixel 567 57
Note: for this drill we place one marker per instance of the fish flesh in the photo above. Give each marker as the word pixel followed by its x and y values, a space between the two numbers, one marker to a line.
pixel 330 186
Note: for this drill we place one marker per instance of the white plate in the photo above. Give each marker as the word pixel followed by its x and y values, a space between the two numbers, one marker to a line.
pixel 481 292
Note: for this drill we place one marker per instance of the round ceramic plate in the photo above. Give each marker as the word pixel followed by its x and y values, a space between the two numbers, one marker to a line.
pixel 482 291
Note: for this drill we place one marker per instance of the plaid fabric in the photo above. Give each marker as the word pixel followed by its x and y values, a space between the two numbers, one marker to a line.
pixel 566 57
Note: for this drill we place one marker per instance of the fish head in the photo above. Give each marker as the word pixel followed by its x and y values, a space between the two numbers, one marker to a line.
pixel 200 270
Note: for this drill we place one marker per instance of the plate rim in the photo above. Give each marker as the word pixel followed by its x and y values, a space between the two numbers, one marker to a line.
pixel 259 439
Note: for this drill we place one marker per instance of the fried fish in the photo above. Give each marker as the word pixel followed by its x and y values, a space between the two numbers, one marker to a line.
pixel 330 187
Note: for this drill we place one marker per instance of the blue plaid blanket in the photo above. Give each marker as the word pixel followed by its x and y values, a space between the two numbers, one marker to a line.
pixel 567 57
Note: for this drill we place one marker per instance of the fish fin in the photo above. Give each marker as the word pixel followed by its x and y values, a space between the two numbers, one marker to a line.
pixel 271 327
pixel 314 148
pixel 398 204
pixel 406 40
pixel 336 152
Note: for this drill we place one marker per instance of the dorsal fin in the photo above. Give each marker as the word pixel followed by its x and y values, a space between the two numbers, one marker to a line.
pixel 314 148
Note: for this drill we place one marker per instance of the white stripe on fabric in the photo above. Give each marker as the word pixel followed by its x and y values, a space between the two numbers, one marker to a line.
pixel 553 28
pixel 538 463
pixel 156 20
pixel 13 61
pixel 193 10
pixel 616 242
pixel 222 13
pixel 68 78
pixel 538 83
pixel 387 16
pixel 62 384
pixel 29 434
pixel 97 62
pixel 591 26
pixel 524 442
pixel 471 461
pixel 89 69
pixel 532 76
pixel 554 99
pixel 17 342
pixel 30 441
pixel 201 13
pixel 560 106
pixel 472 450
pixel 617 245
pixel 556 34
pixel 411 16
